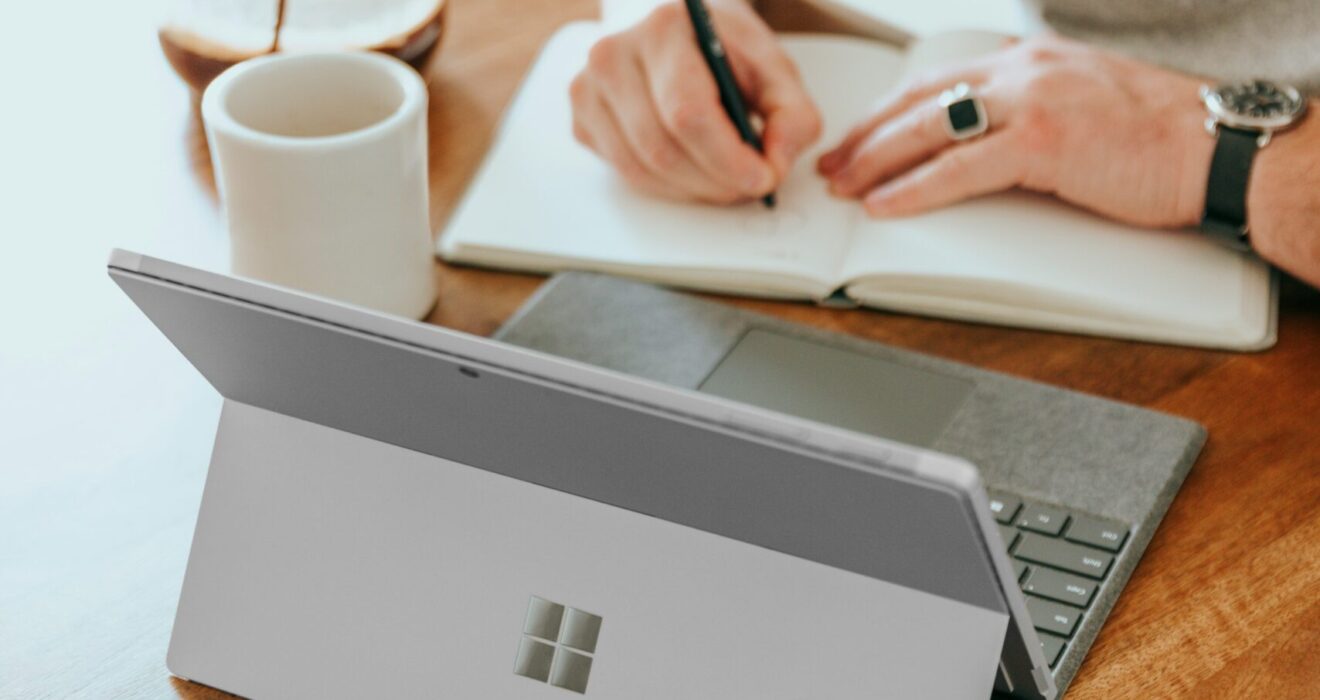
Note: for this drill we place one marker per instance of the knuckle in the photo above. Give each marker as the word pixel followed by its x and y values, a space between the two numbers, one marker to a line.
pixel 812 124
pixel 578 89
pixel 956 161
pixel 778 63
pixel 686 117
pixel 631 171
pixel 581 134
pixel 1037 122
pixel 1041 50
pixel 857 173
pixel 901 198
pixel 666 17
pixel 1046 82
pixel 659 154
pixel 604 55
pixel 931 123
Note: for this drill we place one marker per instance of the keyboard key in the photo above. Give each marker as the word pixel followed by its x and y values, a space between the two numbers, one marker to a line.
pixel 1059 586
pixel 1019 568
pixel 1052 646
pixel 1064 555
pixel 1052 617
pixel 1004 508
pixel 1042 519
pixel 1105 534
pixel 1009 535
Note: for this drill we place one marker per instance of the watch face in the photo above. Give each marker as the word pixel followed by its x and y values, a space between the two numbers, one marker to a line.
pixel 1259 104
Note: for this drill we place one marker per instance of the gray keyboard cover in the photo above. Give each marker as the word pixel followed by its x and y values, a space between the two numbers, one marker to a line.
pixel 1047 445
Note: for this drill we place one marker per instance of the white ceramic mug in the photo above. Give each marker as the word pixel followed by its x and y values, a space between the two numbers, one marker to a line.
pixel 320 159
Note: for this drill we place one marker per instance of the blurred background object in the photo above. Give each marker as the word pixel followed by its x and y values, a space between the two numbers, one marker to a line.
pixel 201 38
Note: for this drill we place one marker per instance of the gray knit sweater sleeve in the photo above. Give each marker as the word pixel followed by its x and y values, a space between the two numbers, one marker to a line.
pixel 1218 39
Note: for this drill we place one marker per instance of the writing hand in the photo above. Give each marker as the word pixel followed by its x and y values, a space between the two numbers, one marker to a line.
pixel 647 104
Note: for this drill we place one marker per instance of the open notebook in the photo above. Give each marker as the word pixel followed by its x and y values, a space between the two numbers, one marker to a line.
pixel 543 203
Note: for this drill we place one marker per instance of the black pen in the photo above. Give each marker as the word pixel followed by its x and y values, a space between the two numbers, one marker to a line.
pixel 730 95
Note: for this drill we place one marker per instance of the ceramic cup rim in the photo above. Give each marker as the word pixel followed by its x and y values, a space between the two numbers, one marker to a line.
pixel 216 114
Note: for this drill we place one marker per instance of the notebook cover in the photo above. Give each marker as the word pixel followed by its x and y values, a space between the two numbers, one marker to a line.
pixel 1088 453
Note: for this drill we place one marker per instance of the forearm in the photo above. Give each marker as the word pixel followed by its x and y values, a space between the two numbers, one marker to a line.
pixel 1283 200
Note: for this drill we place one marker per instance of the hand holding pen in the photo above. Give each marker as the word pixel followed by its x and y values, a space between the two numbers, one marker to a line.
pixel 731 98
pixel 649 103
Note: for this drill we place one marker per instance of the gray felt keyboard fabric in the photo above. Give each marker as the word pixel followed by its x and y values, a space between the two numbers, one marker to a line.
pixel 1087 453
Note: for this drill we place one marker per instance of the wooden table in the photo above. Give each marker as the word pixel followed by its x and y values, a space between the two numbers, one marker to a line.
pixel 106 428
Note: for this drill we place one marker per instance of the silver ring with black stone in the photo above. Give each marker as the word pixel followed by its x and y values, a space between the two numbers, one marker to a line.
pixel 964 112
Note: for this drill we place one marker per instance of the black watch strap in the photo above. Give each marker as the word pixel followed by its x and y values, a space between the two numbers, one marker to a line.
pixel 1225 218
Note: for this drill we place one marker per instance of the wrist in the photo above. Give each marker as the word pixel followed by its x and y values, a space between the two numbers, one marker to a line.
pixel 1183 122
pixel 1281 191
pixel 1198 151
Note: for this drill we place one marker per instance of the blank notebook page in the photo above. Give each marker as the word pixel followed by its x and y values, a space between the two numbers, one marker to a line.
pixel 543 202
pixel 542 194
pixel 1031 253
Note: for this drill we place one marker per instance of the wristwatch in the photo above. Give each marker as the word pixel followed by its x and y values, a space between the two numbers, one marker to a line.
pixel 1243 118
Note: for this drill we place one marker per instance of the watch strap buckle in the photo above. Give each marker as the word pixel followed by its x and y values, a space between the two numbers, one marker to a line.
pixel 1212 127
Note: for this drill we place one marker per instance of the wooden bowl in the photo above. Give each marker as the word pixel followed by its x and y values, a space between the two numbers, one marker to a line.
pixel 199 58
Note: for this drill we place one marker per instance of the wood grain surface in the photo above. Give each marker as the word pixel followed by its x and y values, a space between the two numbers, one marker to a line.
pixel 106 431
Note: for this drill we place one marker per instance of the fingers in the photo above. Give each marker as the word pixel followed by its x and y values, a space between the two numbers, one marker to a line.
pixel 595 127
pixel 792 124
pixel 647 101
pixel 923 89
pixel 892 148
pixel 792 121
pixel 658 150
pixel 900 144
pixel 687 102
pixel 967 170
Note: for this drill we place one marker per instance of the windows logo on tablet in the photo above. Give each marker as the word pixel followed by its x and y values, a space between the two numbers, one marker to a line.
pixel 557 645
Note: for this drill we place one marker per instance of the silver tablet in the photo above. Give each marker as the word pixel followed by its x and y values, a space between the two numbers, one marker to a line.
pixel 396 509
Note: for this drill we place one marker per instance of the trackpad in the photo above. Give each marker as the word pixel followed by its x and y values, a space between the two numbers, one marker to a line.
pixel 839 387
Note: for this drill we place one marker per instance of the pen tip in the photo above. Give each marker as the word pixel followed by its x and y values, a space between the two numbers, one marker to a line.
pixel 769 201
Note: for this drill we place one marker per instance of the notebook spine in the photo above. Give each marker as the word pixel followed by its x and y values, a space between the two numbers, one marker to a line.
pixel 838 299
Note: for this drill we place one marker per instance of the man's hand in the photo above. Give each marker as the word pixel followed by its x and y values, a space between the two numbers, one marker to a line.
pixel 1105 132
pixel 647 104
